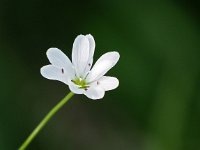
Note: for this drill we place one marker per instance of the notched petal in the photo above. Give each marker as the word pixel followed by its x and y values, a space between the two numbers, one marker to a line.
pixel 103 65
pixel 53 73
pixel 80 54
pixel 58 59
pixel 95 93
pixel 108 83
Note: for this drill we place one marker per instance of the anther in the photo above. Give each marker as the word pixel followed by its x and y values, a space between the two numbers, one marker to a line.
pixel 62 70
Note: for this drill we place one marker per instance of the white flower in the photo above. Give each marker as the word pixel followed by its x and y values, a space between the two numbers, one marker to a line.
pixel 78 74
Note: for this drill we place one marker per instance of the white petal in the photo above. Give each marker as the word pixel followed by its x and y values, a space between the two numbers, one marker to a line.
pixel 75 88
pixel 95 92
pixel 91 53
pixel 103 65
pixel 80 54
pixel 58 59
pixel 108 83
pixel 53 73
pixel 92 47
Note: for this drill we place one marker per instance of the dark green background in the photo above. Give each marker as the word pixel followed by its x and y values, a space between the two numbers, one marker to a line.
pixel 157 105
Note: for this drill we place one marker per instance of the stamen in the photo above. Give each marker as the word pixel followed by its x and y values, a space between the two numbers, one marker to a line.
pixel 86 75
pixel 81 83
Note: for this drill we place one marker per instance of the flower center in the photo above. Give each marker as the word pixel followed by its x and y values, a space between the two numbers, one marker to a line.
pixel 81 83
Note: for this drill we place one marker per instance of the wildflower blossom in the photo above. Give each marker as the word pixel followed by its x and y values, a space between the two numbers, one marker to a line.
pixel 79 74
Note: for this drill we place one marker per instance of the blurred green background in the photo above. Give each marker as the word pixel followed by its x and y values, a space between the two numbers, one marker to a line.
pixel 156 106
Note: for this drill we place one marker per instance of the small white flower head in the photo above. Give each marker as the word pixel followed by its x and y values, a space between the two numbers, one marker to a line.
pixel 79 74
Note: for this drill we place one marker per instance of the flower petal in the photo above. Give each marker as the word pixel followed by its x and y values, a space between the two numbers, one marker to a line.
pixel 92 48
pixel 58 59
pixel 103 65
pixel 53 73
pixel 95 92
pixel 75 88
pixel 91 53
pixel 108 83
pixel 80 54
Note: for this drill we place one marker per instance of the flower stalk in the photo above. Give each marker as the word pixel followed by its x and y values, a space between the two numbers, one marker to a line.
pixel 45 121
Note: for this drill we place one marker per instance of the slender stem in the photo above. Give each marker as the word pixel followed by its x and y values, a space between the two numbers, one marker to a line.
pixel 45 120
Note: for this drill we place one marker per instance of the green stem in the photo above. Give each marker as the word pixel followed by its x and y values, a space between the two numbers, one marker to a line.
pixel 44 121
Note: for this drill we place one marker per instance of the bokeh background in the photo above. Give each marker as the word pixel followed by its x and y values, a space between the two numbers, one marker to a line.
pixel 157 105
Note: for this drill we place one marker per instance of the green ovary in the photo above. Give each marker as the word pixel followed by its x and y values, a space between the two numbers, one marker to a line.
pixel 80 82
